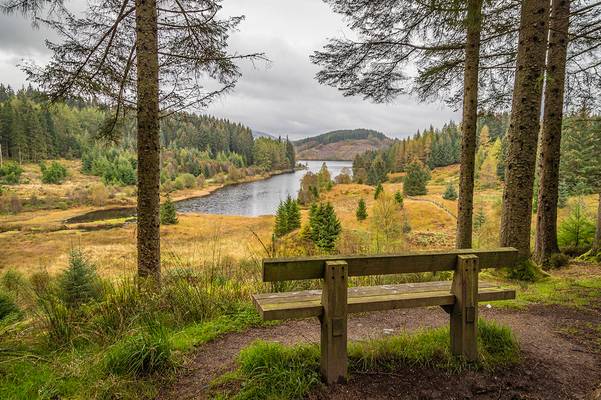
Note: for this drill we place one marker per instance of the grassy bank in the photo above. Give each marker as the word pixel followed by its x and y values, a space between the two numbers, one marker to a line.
pixel 272 370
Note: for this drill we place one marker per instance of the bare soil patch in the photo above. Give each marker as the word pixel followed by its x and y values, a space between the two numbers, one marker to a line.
pixel 561 358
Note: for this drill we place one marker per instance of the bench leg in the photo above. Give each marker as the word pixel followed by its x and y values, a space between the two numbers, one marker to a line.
pixel 464 314
pixel 334 358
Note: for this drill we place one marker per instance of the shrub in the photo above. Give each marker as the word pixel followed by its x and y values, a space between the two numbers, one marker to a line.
pixel 361 210
pixel 168 213
pixel 577 231
pixel 450 193
pixel 398 197
pixel 406 225
pixel 185 181
pixel 415 181
pixel 10 173
pixel 344 177
pixel 7 306
pixel 99 194
pixel 385 217
pixel 140 355
pixel 379 191
pixel 55 174
pixel 79 283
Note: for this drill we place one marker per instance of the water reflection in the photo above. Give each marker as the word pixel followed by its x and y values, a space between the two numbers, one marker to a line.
pixel 257 198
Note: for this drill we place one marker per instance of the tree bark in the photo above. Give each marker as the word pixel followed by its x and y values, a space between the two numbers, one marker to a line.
pixel 597 243
pixel 469 125
pixel 516 217
pixel 546 218
pixel 149 249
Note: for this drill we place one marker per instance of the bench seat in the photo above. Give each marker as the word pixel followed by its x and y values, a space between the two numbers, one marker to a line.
pixel 307 303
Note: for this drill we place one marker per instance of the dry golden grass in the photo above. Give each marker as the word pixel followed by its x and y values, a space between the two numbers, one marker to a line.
pixel 41 239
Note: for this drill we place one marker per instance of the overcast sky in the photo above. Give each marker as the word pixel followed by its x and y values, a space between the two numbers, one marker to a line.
pixel 281 98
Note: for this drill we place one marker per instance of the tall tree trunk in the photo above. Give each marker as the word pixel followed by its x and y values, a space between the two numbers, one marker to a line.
pixel 149 248
pixel 546 218
pixel 469 125
pixel 516 217
pixel 597 243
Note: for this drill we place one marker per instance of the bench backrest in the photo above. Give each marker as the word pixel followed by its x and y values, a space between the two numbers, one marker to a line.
pixel 288 269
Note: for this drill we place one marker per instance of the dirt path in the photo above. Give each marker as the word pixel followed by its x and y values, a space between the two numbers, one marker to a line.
pixel 562 358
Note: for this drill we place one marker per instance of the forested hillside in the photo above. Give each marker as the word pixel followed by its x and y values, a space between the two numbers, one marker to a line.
pixel 441 147
pixel 31 131
pixel 340 144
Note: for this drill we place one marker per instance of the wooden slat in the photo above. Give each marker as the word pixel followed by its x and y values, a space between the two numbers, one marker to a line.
pixel 307 303
pixel 284 269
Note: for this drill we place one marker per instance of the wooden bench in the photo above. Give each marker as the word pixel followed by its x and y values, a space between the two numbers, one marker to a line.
pixel 335 301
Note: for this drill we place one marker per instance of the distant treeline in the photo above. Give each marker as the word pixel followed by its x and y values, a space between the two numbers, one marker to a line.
pixel 441 147
pixel 31 131
pixel 344 134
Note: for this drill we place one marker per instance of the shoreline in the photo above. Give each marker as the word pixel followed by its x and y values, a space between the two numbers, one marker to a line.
pixel 130 211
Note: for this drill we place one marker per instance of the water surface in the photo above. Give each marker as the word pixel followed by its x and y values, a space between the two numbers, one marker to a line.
pixel 257 198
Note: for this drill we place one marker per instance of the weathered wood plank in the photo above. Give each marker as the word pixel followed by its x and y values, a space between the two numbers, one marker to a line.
pixel 334 357
pixel 464 315
pixel 307 303
pixel 283 269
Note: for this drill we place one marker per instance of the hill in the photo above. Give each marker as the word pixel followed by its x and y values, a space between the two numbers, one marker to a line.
pixel 340 144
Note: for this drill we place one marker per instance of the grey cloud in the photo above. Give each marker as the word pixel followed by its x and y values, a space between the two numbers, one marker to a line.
pixel 281 98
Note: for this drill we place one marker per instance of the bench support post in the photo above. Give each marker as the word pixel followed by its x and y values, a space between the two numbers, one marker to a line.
pixel 464 315
pixel 334 358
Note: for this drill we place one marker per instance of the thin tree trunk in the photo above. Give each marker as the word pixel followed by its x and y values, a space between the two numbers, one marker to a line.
pixel 546 218
pixel 149 249
pixel 516 217
pixel 597 243
pixel 469 125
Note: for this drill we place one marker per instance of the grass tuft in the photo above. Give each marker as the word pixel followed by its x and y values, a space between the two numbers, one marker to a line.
pixel 274 371
pixel 141 354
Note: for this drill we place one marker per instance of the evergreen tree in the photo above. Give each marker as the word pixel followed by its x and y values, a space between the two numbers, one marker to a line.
pixel 450 193
pixel 325 226
pixel 415 181
pixel 377 171
pixel 293 214
pixel 281 220
pixel 361 212
pixel 168 213
pixel 379 190
pixel 398 197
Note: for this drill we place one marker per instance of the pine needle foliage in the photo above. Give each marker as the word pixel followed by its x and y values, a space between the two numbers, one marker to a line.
pixel 168 213
pixel 325 226
pixel 79 283
pixel 288 217
pixel 379 191
pixel 416 179
pixel 398 197
pixel 450 193
pixel 361 212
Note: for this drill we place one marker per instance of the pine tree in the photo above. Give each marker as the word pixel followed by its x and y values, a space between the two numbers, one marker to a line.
pixel 415 181
pixel 398 197
pixel 522 138
pixel 281 220
pixel 293 214
pixel 379 191
pixel 361 210
pixel 168 213
pixel 325 226
pixel 450 193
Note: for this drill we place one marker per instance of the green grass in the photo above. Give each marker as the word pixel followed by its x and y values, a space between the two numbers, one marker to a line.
pixel 274 371
pixel 565 291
